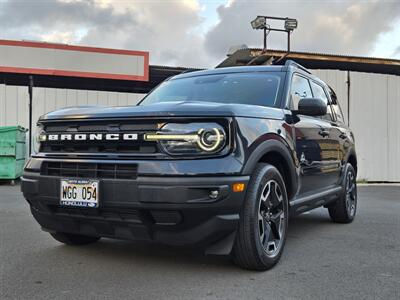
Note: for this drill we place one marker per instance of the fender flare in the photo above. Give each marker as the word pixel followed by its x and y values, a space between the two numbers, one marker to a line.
pixel 351 152
pixel 280 148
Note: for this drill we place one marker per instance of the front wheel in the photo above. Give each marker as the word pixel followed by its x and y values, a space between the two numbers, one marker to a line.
pixel 263 221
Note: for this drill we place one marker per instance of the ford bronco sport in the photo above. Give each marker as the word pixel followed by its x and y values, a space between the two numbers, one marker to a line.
pixel 217 159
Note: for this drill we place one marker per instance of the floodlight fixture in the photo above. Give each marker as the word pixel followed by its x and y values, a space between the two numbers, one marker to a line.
pixel 259 23
pixel 290 24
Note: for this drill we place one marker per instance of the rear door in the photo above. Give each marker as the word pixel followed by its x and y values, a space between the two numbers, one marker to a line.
pixel 332 141
pixel 314 148
pixel 341 132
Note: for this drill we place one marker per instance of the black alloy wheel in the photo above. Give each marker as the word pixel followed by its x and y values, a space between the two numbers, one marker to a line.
pixel 271 217
pixel 344 209
pixel 263 221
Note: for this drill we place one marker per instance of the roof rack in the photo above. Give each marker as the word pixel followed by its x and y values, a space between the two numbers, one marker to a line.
pixel 292 63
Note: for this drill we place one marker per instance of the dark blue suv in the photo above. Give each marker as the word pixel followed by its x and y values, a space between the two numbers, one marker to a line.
pixel 217 159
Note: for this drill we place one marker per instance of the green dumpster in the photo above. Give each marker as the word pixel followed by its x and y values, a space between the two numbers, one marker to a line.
pixel 12 151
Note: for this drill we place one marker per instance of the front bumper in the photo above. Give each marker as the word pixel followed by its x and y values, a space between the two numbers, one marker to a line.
pixel 171 210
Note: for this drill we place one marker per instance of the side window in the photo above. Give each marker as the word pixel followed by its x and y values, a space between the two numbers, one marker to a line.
pixel 300 89
pixel 335 107
pixel 319 92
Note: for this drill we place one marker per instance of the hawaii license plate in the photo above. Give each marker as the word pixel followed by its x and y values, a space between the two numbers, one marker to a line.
pixel 79 193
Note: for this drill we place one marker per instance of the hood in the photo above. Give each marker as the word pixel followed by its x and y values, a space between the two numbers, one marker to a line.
pixel 166 109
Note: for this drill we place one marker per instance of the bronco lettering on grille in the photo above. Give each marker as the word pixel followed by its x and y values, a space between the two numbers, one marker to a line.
pixel 93 137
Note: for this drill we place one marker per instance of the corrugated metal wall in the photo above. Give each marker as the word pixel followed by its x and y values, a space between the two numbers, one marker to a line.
pixel 14 101
pixel 338 81
pixel 49 99
pixel 374 118
pixel 14 105
pixel 374 111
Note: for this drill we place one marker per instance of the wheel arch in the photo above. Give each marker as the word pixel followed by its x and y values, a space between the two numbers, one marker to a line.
pixel 352 159
pixel 276 153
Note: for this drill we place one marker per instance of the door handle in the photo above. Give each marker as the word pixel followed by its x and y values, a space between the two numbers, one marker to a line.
pixel 323 132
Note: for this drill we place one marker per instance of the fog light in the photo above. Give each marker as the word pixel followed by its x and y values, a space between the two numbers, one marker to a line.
pixel 214 194
pixel 238 187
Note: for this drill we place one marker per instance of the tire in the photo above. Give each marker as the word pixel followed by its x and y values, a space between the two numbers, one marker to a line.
pixel 343 210
pixel 260 240
pixel 74 239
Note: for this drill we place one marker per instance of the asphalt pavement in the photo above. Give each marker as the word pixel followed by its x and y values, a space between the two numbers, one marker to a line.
pixel 322 260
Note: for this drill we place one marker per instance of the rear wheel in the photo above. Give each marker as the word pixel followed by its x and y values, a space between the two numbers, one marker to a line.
pixel 343 210
pixel 74 239
pixel 263 222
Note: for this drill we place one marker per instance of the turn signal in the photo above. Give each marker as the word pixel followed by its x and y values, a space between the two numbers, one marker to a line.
pixel 238 187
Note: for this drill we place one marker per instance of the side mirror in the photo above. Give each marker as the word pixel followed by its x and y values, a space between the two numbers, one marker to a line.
pixel 312 107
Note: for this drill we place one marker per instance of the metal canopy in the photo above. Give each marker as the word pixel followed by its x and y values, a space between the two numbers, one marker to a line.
pixel 157 74
pixel 314 61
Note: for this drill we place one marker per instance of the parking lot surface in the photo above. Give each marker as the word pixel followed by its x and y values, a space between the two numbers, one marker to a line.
pixel 322 260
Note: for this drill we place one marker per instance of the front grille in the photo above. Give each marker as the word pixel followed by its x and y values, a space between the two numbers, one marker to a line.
pixel 137 147
pixel 89 170
pixel 104 147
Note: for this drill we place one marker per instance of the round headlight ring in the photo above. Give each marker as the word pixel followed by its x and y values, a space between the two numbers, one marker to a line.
pixel 206 145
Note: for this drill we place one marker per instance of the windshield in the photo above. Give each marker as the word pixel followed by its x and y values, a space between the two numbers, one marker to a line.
pixel 245 88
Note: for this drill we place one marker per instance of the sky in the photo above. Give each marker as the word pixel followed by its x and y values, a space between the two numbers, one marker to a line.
pixel 198 33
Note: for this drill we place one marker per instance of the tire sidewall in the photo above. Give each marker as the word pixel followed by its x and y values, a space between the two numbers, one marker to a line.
pixel 349 168
pixel 267 173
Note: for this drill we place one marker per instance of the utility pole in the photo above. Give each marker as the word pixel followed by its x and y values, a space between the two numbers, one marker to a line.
pixel 30 91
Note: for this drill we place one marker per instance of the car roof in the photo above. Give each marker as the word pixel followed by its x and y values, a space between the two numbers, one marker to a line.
pixel 288 67
pixel 227 70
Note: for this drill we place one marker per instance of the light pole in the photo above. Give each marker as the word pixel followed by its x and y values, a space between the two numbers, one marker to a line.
pixel 260 22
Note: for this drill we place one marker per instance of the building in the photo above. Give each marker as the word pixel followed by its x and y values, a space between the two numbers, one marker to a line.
pixel 368 89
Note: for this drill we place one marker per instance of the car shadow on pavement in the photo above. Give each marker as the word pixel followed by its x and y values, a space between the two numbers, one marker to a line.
pixel 147 254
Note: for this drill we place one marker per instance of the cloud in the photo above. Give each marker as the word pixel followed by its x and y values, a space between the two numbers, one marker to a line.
pixel 174 33
pixel 396 51
pixel 344 27
pixel 166 28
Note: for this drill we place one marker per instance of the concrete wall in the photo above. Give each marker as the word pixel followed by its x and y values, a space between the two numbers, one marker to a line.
pixel 373 114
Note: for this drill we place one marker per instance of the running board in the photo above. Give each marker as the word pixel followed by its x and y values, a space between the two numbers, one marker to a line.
pixel 300 205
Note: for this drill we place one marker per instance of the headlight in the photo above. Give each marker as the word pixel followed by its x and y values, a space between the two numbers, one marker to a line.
pixel 190 139
pixel 38 137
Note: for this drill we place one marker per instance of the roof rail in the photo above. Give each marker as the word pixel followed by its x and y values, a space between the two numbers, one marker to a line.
pixel 290 62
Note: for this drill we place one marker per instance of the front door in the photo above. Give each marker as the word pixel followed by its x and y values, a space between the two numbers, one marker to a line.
pixel 316 148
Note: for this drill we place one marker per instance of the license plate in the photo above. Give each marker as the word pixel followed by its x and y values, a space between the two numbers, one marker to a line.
pixel 81 193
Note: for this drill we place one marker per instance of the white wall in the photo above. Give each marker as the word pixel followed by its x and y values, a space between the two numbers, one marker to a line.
pixel 49 99
pixel 393 114
pixel 337 80
pixel 14 108
pixel 14 101
pixel 374 113
pixel 374 118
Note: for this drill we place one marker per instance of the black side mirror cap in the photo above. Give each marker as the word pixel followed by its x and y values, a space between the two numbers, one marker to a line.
pixel 311 107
